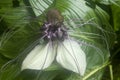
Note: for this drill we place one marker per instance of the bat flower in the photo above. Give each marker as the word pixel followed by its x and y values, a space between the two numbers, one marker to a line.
pixel 60 47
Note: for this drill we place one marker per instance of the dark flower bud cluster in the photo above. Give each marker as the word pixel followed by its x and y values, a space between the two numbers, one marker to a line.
pixel 54 31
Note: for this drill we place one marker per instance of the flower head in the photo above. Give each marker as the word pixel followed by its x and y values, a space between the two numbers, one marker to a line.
pixel 66 51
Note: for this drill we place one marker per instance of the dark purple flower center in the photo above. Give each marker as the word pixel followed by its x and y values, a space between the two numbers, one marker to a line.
pixel 54 31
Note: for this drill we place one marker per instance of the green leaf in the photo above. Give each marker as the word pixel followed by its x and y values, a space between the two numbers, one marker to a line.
pixel 88 25
pixel 116 17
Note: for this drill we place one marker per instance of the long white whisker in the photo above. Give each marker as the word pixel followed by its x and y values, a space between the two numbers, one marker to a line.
pixel 71 55
pixel 96 48
pixel 23 53
pixel 50 46
pixel 87 34
pixel 94 25
pixel 75 57
pixel 89 20
pixel 19 56
pixel 90 23
pixel 98 27
pixel 6 36
pixel 82 23
pixel 3 67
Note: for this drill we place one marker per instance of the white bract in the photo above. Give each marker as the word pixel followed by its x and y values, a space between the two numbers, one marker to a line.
pixel 67 53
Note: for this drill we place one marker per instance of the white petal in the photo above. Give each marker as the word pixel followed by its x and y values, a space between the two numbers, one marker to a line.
pixel 39 58
pixel 71 56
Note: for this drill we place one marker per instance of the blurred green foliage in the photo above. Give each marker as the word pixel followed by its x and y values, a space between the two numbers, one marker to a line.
pixel 19 29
